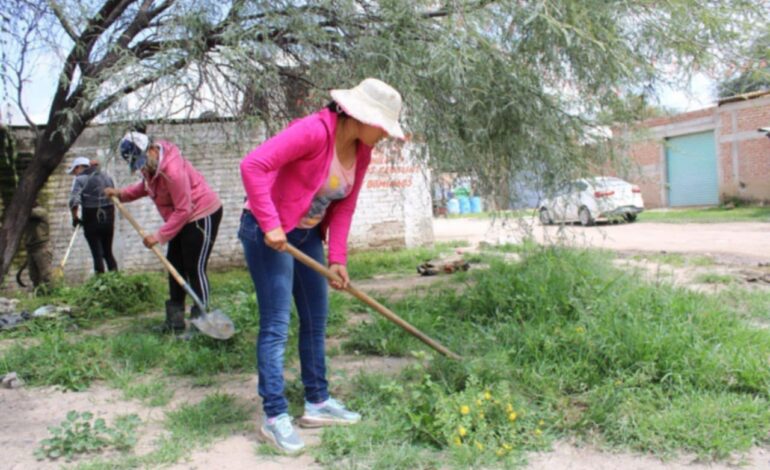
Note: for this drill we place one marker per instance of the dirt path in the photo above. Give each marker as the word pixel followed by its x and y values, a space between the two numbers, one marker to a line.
pixel 747 242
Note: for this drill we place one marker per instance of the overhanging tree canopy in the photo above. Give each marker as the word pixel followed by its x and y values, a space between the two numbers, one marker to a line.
pixel 495 87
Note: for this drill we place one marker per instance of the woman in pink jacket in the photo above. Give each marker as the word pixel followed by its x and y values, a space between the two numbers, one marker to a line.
pixel 191 212
pixel 301 187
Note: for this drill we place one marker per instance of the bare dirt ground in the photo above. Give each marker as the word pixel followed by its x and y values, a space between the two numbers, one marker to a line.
pixel 742 242
pixel 736 250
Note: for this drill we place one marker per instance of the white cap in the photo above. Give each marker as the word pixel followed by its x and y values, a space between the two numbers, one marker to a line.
pixel 79 161
pixel 137 138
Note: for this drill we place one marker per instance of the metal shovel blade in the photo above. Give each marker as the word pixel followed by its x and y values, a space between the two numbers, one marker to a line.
pixel 215 324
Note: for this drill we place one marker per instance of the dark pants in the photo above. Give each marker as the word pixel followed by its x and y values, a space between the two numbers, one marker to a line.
pixel 99 227
pixel 189 252
pixel 277 278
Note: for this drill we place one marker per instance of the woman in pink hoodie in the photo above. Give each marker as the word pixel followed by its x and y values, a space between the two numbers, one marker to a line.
pixel 191 212
pixel 301 187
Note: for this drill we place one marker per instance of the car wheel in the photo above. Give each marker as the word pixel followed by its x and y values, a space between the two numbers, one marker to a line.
pixel 630 217
pixel 545 217
pixel 586 219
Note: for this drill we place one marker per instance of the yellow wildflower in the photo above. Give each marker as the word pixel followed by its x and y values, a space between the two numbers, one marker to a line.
pixel 540 423
pixel 507 446
pixel 500 452
pixel 487 395
pixel 538 432
pixel 512 416
pixel 458 441
pixel 462 431
pixel 479 445
pixel 465 409
pixel 509 408
pixel 478 402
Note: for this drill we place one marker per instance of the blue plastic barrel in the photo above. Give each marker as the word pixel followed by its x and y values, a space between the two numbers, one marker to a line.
pixel 453 206
pixel 465 205
pixel 476 205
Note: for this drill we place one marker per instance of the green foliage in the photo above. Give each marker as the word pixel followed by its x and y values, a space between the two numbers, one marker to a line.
pixel 367 264
pixel 707 215
pixel 78 435
pixel 216 415
pixel 714 278
pixel 114 293
pixel 57 359
pixel 753 70
pixel 568 340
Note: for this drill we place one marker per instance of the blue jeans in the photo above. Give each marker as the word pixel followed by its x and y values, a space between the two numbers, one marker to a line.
pixel 277 277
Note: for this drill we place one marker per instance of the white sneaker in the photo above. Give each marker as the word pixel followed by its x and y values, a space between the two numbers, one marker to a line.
pixel 327 413
pixel 281 434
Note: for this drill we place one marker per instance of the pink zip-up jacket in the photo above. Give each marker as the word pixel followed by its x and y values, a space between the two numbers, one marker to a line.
pixel 282 175
pixel 178 190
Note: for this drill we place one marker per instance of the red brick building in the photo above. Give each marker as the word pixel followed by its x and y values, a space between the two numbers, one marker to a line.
pixel 704 157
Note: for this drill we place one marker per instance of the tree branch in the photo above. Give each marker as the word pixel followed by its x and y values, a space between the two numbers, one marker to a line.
pixel 57 11
pixel 101 106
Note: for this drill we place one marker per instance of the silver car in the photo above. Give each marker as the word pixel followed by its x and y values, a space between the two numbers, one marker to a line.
pixel 588 200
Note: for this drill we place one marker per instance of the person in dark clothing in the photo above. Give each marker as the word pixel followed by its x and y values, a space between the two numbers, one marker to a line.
pixel 36 234
pixel 97 212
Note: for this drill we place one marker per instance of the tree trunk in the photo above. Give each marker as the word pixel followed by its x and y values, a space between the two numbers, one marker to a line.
pixel 50 148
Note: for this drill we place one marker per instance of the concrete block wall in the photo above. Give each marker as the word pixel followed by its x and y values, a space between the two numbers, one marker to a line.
pixel 743 154
pixel 393 208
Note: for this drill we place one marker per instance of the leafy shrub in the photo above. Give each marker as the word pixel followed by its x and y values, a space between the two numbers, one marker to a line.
pixel 114 293
pixel 78 435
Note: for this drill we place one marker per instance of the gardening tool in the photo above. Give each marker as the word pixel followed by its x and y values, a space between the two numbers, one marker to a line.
pixel 58 272
pixel 384 311
pixel 215 323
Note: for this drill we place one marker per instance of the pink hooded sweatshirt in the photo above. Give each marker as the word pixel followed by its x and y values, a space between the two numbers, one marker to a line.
pixel 180 193
pixel 282 175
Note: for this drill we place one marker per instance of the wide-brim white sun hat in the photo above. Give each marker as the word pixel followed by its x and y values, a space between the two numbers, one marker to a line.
pixel 372 102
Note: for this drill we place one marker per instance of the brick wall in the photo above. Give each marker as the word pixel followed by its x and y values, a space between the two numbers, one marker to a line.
pixel 743 154
pixel 393 208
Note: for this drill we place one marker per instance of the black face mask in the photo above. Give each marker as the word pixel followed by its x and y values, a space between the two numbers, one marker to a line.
pixel 133 155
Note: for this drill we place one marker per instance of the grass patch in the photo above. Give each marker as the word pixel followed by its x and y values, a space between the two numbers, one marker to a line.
pixel 215 416
pixel 154 392
pixel 189 428
pixel 677 260
pixel 110 295
pixel 749 303
pixel 707 215
pixel 65 357
pixel 714 278
pixel 367 264
pixel 577 348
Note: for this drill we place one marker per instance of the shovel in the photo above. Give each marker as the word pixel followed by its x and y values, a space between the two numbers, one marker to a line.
pixel 58 272
pixel 215 323
pixel 384 311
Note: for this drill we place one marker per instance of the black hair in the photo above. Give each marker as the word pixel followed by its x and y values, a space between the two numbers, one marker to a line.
pixel 337 109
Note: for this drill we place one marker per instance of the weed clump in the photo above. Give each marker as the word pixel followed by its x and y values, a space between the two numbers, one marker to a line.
pixel 114 294
pixel 566 338
pixel 79 435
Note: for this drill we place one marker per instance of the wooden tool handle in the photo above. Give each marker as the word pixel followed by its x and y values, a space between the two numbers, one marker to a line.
pixel 384 311
pixel 69 248
pixel 155 249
